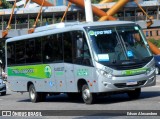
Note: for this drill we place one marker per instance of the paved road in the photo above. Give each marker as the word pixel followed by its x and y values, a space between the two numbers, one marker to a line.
pixel 149 100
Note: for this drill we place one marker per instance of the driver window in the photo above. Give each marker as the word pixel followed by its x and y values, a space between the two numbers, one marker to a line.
pixel 81 52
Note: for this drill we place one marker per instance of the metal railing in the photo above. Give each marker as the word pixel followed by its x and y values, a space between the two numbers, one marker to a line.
pixel 30 25
pixel 24 25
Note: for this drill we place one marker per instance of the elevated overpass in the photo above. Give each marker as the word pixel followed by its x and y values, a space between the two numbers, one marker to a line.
pixel 23 19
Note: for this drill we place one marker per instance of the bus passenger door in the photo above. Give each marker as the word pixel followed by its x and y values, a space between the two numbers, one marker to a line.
pixel 83 66
pixel 68 61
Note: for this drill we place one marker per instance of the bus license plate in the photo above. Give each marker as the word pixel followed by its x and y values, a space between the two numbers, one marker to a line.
pixel 131 83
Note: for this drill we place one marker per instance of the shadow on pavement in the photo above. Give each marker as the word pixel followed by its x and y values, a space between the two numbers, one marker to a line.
pixel 100 100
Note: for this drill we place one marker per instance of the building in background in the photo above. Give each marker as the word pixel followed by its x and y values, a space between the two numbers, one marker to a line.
pixel 24 18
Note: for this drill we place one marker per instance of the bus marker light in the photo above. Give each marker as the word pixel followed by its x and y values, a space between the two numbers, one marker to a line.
pixel 91 84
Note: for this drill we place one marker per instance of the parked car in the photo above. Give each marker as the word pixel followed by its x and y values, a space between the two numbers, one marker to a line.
pixel 157 63
pixel 2 87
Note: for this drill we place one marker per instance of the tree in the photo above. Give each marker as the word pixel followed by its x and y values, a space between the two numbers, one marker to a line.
pixel 95 1
pixel 155 42
pixel 5 4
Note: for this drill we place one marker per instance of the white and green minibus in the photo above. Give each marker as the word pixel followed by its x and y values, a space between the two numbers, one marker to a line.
pixel 80 59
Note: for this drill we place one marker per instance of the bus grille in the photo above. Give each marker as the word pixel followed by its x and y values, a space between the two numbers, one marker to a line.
pixel 123 85
pixel 131 66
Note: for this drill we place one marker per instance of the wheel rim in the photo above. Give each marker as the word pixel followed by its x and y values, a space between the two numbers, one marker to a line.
pixel 157 70
pixel 32 94
pixel 86 94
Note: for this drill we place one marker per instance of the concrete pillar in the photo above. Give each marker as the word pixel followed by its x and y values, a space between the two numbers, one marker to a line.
pixel 55 3
pixel 146 12
pixel 124 14
pixel 53 17
pixel 41 19
pixel 88 11
pixel 64 2
pixel 78 16
pixel 15 19
pixel 158 12
pixel 65 18
pixel 2 23
pixel 28 21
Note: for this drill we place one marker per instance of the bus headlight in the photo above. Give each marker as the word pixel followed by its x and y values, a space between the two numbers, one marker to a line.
pixel 150 69
pixel 105 74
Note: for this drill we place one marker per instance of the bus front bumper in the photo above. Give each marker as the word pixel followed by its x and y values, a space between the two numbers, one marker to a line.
pixel 126 83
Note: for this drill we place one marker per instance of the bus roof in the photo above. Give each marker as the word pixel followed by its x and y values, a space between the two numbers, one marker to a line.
pixel 60 27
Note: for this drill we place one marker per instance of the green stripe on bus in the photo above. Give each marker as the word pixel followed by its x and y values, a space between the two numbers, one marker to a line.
pixel 134 71
pixel 31 71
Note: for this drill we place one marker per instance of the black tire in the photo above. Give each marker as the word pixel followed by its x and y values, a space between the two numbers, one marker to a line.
pixel 34 96
pixel 157 71
pixel 74 96
pixel 135 94
pixel 3 93
pixel 87 96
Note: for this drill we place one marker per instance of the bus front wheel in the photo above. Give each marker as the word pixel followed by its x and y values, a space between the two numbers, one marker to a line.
pixel 88 97
pixel 135 94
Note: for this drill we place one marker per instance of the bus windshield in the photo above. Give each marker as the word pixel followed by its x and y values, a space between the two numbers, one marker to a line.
pixel 116 44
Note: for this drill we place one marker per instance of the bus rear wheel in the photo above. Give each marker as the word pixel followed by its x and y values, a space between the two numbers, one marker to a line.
pixel 87 96
pixel 135 94
pixel 35 96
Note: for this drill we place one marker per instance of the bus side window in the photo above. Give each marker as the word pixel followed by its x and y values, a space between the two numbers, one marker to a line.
pixel 81 50
pixel 67 42
pixel 48 48
pixel 58 48
pixel 33 50
pixel 30 50
pixel 11 53
pixel 20 52
pixel 52 48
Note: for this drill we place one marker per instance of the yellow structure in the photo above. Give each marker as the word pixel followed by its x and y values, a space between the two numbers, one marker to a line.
pixel 105 1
